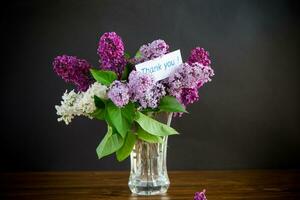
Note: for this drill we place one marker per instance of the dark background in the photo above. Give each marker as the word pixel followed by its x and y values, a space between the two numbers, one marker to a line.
pixel 248 117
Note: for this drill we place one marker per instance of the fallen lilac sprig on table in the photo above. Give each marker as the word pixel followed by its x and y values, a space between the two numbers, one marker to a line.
pixel 200 195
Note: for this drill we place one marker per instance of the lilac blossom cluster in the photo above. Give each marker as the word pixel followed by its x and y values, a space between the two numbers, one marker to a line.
pixel 73 70
pixel 200 195
pixel 199 55
pixel 182 84
pixel 111 53
pixel 152 50
pixel 119 93
pixel 152 97
pixel 188 96
pixel 187 79
pixel 140 88
pixel 139 84
pixel 144 90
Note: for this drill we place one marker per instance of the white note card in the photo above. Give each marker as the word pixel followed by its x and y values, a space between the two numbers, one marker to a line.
pixel 161 67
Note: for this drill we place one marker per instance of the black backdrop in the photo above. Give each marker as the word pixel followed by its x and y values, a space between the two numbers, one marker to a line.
pixel 247 117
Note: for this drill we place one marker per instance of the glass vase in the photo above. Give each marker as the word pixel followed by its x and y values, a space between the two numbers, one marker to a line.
pixel 148 174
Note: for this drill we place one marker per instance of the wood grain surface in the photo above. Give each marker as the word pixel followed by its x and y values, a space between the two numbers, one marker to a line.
pixel 239 184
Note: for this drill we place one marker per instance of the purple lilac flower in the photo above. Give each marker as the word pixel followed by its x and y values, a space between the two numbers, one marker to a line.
pixel 187 79
pixel 185 76
pixel 199 55
pixel 153 50
pixel 206 72
pixel 139 83
pixel 111 52
pixel 189 95
pixel 119 93
pixel 200 195
pixel 74 70
pixel 152 97
pixel 144 90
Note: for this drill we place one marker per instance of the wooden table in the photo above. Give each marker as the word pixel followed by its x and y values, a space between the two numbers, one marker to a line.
pixel 240 184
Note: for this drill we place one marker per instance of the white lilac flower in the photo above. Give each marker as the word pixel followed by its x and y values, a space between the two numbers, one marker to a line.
pixel 86 103
pixel 81 103
pixel 68 108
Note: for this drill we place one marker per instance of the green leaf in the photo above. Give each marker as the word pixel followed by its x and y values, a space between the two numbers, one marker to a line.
pixel 148 110
pixel 120 118
pixel 128 112
pixel 128 68
pixel 170 104
pixel 109 144
pixel 127 55
pixel 138 54
pixel 99 103
pixel 154 127
pixel 100 109
pixel 144 135
pixel 99 114
pixel 127 147
pixel 103 77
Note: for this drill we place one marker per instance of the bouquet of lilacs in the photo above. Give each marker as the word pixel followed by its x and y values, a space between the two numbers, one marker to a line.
pixel 128 99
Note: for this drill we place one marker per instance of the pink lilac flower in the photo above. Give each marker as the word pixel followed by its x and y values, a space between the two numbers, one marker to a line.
pixel 144 90
pixel 199 55
pixel 184 76
pixel 111 53
pixel 206 72
pixel 119 93
pixel 189 95
pixel 73 70
pixel 187 79
pixel 152 50
pixel 200 195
